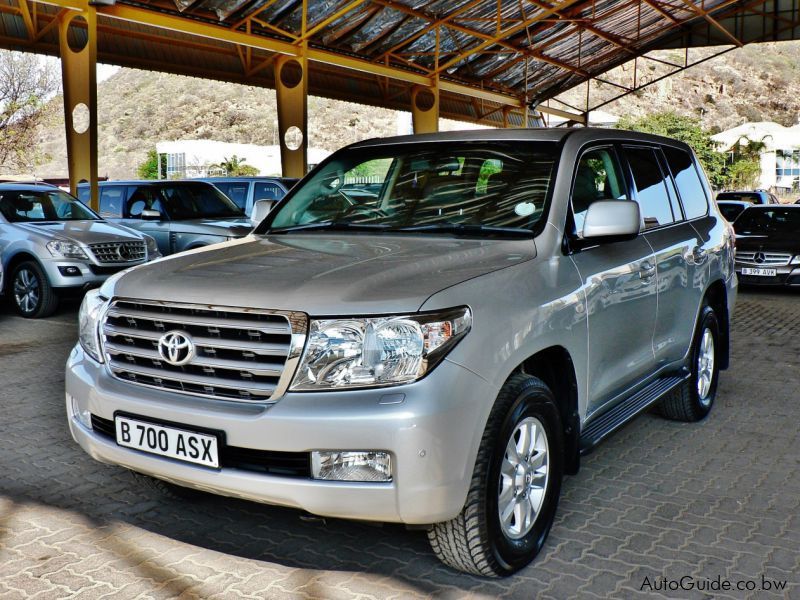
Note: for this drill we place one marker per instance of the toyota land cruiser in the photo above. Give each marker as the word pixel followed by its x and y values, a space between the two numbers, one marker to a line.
pixel 437 353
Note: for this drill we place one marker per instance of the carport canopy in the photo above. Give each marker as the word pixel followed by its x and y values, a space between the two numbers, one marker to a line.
pixel 497 62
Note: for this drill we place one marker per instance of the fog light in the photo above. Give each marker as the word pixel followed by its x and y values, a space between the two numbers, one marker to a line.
pixel 84 417
pixel 351 466
pixel 69 271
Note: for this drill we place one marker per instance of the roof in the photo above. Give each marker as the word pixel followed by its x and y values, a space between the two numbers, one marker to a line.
pixel 489 58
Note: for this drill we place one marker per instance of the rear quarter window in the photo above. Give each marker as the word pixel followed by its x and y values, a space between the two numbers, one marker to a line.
pixel 687 179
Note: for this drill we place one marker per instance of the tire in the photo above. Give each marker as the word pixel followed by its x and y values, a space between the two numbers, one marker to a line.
pixel 165 488
pixel 693 400
pixel 476 541
pixel 30 291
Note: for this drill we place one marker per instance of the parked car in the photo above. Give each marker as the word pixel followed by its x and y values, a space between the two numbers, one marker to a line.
pixel 51 245
pixel 180 215
pixel 750 196
pixel 731 209
pixel 768 245
pixel 246 191
pixel 439 354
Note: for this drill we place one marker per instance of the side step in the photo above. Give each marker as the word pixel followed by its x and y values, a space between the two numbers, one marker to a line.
pixel 607 423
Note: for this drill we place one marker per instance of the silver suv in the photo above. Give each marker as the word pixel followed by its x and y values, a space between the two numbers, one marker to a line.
pixel 51 245
pixel 438 352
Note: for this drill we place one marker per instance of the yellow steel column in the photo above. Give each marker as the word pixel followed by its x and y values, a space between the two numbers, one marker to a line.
pixel 291 87
pixel 425 109
pixel 78 47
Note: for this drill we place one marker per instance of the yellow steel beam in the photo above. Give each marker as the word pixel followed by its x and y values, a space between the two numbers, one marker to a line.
pixel 714 23
pixel 26 17
pixel 79 80
pixel 579 118
pixel 661 10
pixel 329 19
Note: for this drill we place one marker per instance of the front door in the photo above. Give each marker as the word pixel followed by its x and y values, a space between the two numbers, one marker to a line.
pixel 619 281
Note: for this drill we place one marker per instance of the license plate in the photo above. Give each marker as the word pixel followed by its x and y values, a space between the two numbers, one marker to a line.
pixel 760 272
pixel 188 446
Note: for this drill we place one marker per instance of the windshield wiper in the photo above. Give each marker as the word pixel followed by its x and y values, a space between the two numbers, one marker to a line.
pixel 467 229
pixel 331 226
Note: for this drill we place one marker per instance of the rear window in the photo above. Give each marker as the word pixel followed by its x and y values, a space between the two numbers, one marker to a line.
pixel 750 197
pixel 687 178
pixel 651 188
pixel 779 221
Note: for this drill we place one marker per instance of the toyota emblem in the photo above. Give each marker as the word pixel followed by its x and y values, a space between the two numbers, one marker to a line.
pixel 176 348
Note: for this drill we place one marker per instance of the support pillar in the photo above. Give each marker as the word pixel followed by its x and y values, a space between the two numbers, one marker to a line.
pixel 425 109
pixel 77 32
pixel 291 87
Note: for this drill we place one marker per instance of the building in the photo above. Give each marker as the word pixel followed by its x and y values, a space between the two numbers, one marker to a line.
pixel 780 160
pixel 200 158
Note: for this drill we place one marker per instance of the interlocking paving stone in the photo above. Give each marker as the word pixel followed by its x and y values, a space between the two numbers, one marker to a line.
pixel 717 498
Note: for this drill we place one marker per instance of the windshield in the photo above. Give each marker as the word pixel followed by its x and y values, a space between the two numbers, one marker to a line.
pixel 195 201
pixel 467 187
pixel 781 221
pixel 23 206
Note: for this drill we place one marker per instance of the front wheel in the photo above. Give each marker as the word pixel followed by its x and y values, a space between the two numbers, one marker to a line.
pixel 515 487
pixel 693 401
pixel 33 296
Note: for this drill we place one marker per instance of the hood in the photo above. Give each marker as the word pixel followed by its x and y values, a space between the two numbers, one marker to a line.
pixel 322 274
pixel 234 227
pixel 82 232
pixel 789 243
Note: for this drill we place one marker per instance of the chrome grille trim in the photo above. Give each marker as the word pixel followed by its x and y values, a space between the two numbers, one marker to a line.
pixel 241 354
pixel 771 259
pixel 119 252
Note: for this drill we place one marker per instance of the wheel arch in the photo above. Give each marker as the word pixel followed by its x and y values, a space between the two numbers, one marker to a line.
pixel 716 297
pixel 554 366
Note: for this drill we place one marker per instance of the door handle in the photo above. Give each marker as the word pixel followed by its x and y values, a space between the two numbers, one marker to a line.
pixel 646 271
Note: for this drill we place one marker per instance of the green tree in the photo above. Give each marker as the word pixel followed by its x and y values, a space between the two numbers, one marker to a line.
pixel 149 168
pixel 27 82
pixel 744 166
pixel 685 129
pixel 236 167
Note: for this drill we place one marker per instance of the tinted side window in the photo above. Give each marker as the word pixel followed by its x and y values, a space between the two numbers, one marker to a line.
pixel 83 194
pixel 596 178
pixel 235 191
pixel 141 198
pixel 267 191
pixel 111 200
pixel 690 186
pixel 651 189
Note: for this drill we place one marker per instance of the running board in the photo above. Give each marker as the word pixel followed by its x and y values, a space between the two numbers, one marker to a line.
pixel 609 422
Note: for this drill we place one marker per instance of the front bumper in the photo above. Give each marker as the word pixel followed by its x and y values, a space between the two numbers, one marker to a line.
pixel 785 276
pixel 431 428
pixel 89 274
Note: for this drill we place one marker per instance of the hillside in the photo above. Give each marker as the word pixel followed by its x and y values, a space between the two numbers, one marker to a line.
pixel 139 108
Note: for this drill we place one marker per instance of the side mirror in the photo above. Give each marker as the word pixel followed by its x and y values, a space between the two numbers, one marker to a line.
pixel 150 215
pixel 612 220
pixel 261 209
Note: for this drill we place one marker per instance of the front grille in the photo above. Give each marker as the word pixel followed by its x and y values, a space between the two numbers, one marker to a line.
pixel 238 354
pixel 270 462
pixel 771 259
pixel 119 252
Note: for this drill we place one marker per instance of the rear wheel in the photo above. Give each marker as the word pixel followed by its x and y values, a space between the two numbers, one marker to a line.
pixel 693 401
pixel 31 292
pixel 514 492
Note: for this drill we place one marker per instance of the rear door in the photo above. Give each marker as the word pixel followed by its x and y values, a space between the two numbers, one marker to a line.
pixel 673 239
pixel 620 286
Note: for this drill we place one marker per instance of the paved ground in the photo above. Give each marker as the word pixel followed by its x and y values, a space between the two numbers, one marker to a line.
pixel 715 499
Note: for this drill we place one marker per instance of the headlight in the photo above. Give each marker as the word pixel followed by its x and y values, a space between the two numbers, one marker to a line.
pixel 66 250
pixel 379 351
pixel 88 323
pixel 152 247
pixel 795 260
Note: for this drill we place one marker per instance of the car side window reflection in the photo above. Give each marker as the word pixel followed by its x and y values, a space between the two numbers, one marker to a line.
pixel 596 178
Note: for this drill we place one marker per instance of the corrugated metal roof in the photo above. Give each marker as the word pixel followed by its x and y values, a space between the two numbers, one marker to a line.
pixel 528 50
